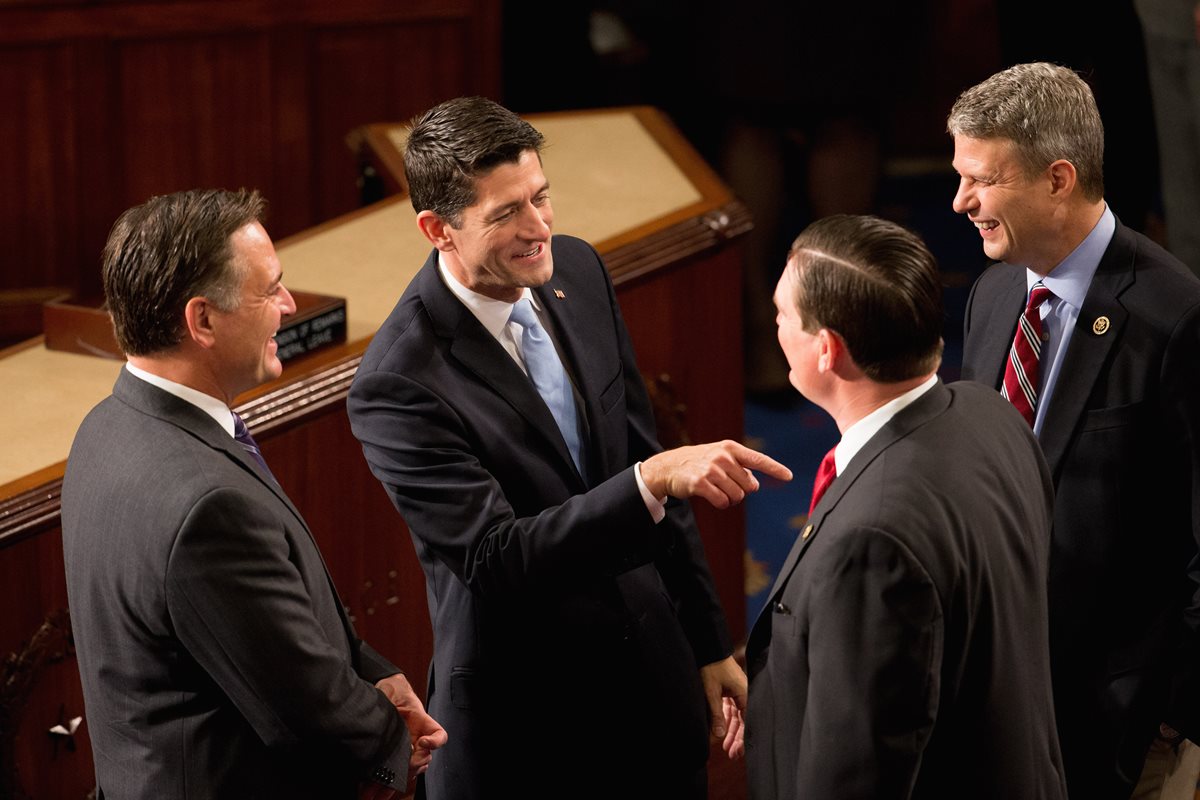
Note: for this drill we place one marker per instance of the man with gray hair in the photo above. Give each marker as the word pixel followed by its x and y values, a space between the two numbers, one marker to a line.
pixel 1093 332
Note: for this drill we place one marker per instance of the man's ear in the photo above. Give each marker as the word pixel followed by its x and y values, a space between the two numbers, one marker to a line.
pixel 830 349
pixel 1063 178
pixel 198 317
pixel 436 230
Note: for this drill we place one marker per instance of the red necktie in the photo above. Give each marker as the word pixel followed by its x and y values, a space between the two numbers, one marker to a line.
pixel 1020 385
pixel 825 475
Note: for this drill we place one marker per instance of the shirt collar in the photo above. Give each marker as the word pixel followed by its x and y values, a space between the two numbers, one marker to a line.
pixel 1069 281
pixel 858 434
pixel 206 403
pixel 492 314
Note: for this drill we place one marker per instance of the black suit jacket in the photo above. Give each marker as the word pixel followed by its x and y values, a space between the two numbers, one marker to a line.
pixel 1122 436
pixel 903 649
pixel 216 658
pixel 564 620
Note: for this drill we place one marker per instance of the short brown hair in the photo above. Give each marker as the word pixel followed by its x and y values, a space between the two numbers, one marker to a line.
pixel 166 251
pixel 452 144
pixel 875 285
pixel 1047 111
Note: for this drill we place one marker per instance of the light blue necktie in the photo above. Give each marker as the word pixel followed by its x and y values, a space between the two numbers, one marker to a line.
pixel 548 376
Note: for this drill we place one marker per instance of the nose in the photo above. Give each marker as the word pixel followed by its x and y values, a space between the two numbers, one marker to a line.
pixel 963 201
pixel 287 303
pixel 537 221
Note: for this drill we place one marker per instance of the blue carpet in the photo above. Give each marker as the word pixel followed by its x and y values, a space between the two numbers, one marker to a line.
pixel 797 433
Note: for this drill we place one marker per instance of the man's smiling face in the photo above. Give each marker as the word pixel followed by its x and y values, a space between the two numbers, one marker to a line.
pixel 502 244
pixel 1011 209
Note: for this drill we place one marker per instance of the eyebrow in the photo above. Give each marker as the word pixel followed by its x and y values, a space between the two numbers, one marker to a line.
pixel 501 210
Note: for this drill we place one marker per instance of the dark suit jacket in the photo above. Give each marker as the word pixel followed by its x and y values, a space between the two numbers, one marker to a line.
pixel 1122 437
pixel 903 649
pixel 216 658
pixel 565 622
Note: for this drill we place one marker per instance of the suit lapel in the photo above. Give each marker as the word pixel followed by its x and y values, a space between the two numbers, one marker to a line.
pixel 1088 351
pixel 925 408
pixel 479 352
pixel 1000 327
pixel 561 302
pixel 165 406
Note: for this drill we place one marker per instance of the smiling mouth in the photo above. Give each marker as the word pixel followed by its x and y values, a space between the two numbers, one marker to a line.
pixel 989 225
pixel 537 250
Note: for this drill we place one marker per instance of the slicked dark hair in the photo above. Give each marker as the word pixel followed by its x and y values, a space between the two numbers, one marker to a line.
pixel 876 285
pixel 452 144
pixel 166 251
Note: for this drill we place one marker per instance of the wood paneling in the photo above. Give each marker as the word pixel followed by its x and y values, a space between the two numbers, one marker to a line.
pixel 108 103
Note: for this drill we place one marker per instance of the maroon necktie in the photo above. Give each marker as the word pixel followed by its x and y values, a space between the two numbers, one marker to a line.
pixel 825 475
pixel 1020 385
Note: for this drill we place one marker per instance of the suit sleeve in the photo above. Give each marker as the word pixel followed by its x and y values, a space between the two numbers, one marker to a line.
pixel 1181 391
pixel 428 457
pixel 682 562
pixel 422 452
pixel 875 640
pixel 240 607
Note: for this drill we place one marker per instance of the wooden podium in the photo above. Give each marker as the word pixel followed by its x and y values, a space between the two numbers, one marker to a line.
pixel 623 179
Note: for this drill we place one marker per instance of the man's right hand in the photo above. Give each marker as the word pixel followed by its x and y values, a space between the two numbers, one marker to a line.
pixel 719 472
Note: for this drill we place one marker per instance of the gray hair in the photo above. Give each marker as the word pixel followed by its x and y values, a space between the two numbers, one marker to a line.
pixel 1047 111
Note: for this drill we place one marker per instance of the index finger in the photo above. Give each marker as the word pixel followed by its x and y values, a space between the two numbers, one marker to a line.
pixel 761 462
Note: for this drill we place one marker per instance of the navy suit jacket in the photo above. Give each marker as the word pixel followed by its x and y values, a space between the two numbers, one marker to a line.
pixel 1122 437
pixel 903 649
pixel 564 620
pixel 216 658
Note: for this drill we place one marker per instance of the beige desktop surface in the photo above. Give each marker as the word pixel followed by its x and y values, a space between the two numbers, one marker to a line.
pixel 607 176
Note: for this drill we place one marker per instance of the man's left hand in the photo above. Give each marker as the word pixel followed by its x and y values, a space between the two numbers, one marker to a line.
pixel 427 735
pixel 725 689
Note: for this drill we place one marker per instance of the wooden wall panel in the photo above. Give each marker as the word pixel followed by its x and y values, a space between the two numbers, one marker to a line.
pixel 37 163
pixel 428 64
pixel 194 111
pixel 108 103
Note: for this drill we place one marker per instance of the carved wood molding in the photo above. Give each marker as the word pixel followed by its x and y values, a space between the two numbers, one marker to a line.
pixel 677 242
pixel 29 512
pixel 38 509
pixel 19 673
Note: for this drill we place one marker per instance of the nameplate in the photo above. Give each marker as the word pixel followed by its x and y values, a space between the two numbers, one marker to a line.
pixel 319 321
pixel 84 326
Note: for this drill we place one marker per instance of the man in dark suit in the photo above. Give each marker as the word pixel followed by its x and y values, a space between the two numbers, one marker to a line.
pixel 903 648
pixel 216 658
pixel 1112 392
pixel 576 627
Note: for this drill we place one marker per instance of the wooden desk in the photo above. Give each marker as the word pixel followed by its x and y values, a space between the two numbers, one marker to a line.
pixel 623 179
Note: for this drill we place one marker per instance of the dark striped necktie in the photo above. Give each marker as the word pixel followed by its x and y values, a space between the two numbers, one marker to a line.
pixel 242 434
pixel 1021 374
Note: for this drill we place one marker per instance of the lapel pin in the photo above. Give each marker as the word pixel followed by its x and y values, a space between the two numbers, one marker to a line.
pixel 559 294
pixel 808 529
pixel 1100 326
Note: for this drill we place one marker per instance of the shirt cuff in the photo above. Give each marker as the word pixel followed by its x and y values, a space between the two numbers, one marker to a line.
pixel 654 505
